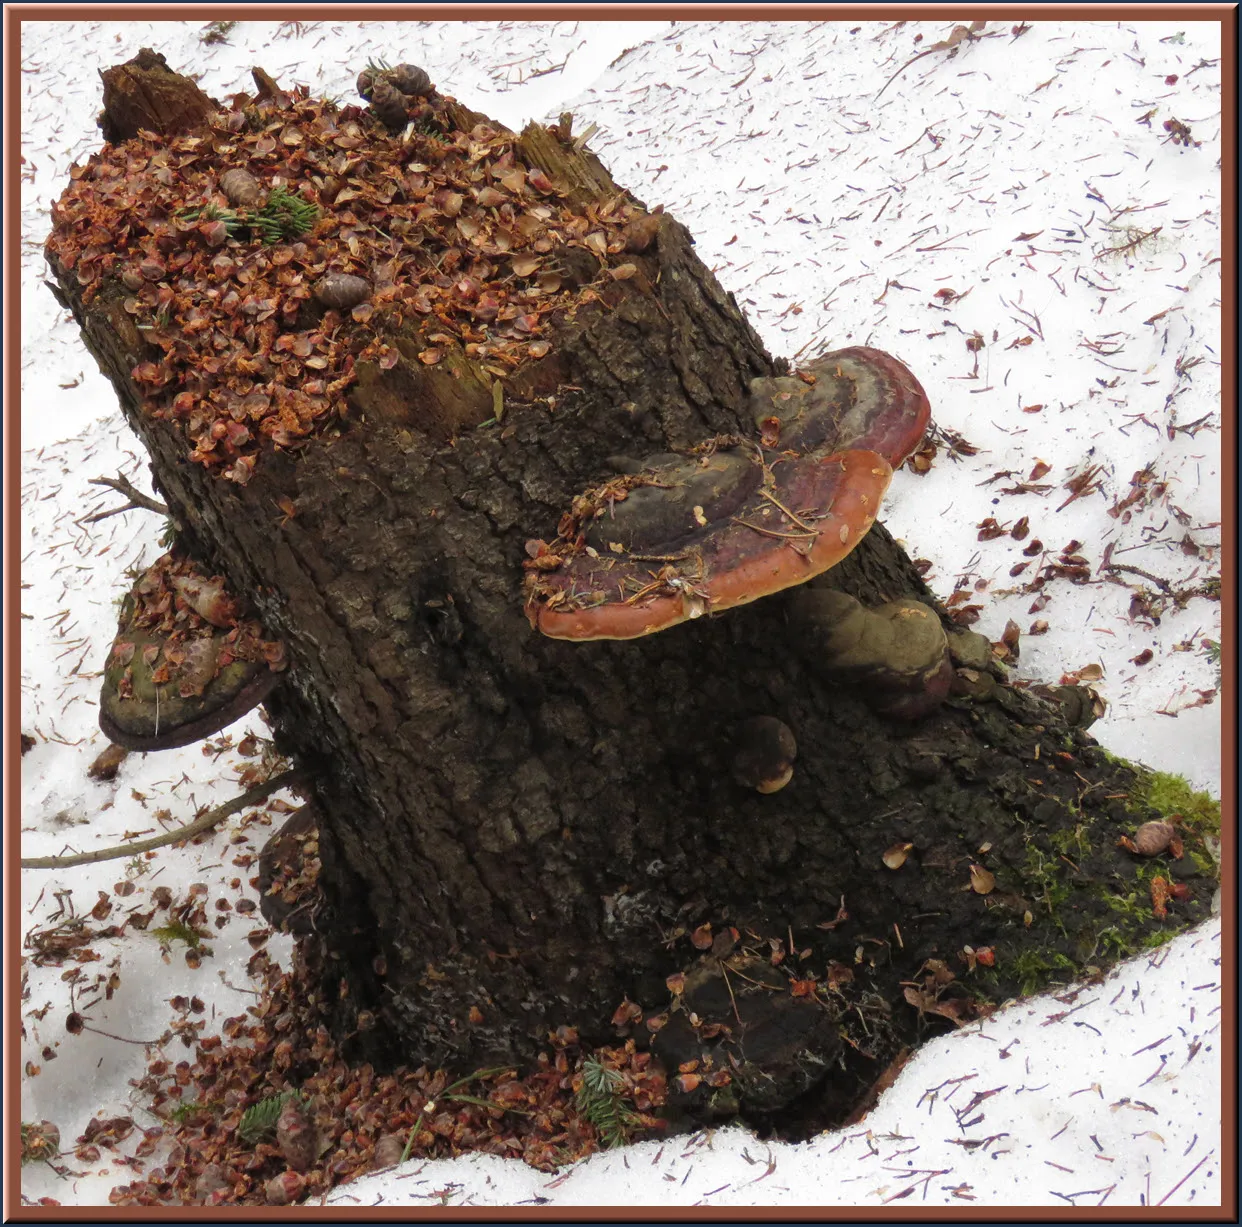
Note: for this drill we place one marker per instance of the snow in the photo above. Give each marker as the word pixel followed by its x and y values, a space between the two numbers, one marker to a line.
pixel 1003 173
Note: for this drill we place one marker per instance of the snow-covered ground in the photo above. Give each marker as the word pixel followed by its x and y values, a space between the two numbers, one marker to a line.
pixel 1019 193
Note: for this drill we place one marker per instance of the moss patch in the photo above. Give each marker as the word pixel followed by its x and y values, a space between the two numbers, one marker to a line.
pixel 1172 796
pixel 1036 970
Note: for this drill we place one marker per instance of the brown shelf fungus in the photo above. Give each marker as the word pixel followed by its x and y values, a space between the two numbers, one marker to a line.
pixel 764 750
pixel 897 654
pixel 1154 838
pixel 660 576
pixel 851 398
pixel 184 663
pixel 689 535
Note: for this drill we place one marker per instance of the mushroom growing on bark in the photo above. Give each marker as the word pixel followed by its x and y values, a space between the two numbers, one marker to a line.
pixel 675 562
pixel 764 753
pixel 897 654
pixel 184 662
pixel 739 520
pixel 682 536
pixel 851 398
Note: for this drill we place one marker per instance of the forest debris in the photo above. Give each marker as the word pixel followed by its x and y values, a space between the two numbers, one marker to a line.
pixel 1082 483
pixel 136 500
pixel 40 1141
pixel 107 762
pixel 896 856
pixel 949 44
pixel 263 299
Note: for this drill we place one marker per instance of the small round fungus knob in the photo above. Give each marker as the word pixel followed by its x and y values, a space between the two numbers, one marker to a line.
pixel 764 753
pixel 1153 838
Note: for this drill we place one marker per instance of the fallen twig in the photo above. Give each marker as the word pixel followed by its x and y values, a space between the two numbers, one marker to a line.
pixel 137 500
pixel 949 44
pixel 213 817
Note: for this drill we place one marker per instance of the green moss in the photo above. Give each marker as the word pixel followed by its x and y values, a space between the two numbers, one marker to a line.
pixel 1133 899
pixel 1072 843
pixel 1091 903
pixel 183 1113
pixel 1043 872
pixel 178 931
pixel 1035 970
pixel 1203 862
pixel 1172 796
pixel 216 32
pixel 1114 945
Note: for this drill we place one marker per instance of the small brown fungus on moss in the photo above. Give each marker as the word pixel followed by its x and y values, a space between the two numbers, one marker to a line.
pixel 1153 838
pixel 764 753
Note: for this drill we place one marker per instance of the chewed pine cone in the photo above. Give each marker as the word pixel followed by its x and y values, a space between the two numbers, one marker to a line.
pixel 389 103
pixel 411 80
pixel 407 79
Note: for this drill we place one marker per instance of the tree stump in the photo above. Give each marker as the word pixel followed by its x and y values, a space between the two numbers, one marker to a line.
pixel 517 832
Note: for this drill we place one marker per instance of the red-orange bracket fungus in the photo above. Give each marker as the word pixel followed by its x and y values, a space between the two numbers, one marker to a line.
pixel 851 398
pixel 689 535
pixel 804 515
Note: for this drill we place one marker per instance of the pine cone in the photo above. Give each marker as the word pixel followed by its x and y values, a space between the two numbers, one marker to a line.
pixel 410 80
pixel 285 1188
pixel 342 291
pixel 388 1151
pixel 295 1136
pixel 241 187
pixel 388 103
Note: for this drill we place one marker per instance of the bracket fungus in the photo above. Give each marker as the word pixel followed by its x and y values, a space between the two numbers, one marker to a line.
pixel 897 653
pixel 736 520
pixel 184 663
pixel 851 398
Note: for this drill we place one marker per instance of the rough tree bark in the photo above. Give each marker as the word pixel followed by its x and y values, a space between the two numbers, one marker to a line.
pixel 519 833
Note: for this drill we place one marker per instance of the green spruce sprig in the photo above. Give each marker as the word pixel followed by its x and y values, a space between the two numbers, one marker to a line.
pixel 259 1121
pixel 284 215
pixel 599 1100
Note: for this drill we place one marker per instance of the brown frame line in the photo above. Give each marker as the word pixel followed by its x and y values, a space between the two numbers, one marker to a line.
pixel 16 14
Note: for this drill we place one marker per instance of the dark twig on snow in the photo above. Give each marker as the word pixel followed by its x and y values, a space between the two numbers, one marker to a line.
pixel 137 500
pixel 213 817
